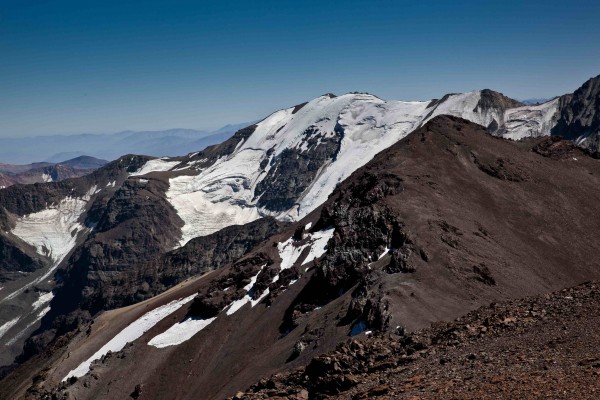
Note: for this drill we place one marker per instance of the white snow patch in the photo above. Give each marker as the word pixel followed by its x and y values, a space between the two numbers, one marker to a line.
pixel 383 254
pixel 464 105
pixel 203 209
pixel 307 226
pixel 47 178
pixel 317 242
pixel 156 165
pixel 111 184
pixel 180 332
pixel 44 298
pixel 132 332
pixel 289 253
pixel 43 312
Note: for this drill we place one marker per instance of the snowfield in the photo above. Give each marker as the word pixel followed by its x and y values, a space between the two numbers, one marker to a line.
pixel 53 231
pixel 531 121
pixel 224 193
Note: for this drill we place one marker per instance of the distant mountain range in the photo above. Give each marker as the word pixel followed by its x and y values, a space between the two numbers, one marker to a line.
pixel 534 101
pixel 57 148
pixel 39 172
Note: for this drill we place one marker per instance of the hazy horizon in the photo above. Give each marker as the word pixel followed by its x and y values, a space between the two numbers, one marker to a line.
pixel 107 67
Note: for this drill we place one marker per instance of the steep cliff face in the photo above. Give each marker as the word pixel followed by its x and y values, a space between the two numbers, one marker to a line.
pixel 580 116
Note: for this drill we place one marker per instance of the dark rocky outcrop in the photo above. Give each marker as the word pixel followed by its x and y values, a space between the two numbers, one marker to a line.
pixel 135 226
pixel 555 147
pixel 14 258
pixel 206 253
pixel 492 100
pixel 364 228
pixel 229 287
pixel 293 171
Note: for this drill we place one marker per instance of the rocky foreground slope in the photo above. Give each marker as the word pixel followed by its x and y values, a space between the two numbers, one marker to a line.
pixel 540 347
pixel 446 220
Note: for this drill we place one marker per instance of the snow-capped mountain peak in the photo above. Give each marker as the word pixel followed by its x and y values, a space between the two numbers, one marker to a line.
pixel 294 158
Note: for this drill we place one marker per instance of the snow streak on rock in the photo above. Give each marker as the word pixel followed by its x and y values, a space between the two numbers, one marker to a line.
pixel 236 305
pixel 42 300
pixel 7 325
pixel 132 332
pixel 156 165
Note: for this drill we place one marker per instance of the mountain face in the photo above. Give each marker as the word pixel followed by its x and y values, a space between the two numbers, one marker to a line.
pixel 444 221
pixel 580 116
pixel 334 182
pixel 47 172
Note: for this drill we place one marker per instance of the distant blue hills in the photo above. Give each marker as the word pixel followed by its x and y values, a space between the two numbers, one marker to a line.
pixel 58 148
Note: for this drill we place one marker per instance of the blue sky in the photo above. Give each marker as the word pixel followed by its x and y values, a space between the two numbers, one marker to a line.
pixel 106 66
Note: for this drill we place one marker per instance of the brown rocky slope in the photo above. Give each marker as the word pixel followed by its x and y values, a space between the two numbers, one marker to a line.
pixel 540 347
